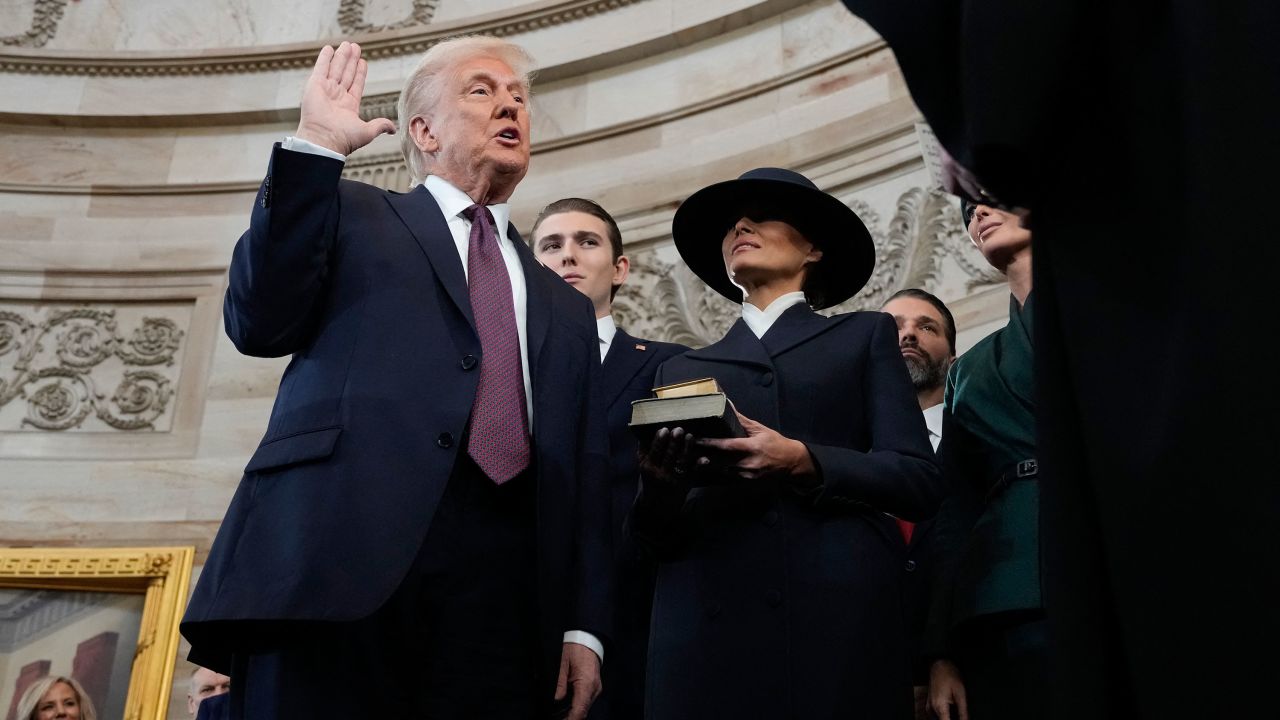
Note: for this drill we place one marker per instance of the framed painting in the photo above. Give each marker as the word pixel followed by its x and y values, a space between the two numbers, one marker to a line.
pixel 105 617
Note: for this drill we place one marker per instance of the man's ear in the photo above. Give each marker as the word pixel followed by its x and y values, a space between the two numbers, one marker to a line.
pixel 621 269
pixel 422 135
pixel 814 256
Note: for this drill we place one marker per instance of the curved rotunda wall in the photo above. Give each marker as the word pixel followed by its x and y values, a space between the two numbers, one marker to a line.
pixel 133 139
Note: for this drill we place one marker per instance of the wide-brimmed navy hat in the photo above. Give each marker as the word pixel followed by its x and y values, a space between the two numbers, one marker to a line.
pixel 848 254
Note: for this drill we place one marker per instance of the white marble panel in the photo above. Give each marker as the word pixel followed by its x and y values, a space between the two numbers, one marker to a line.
pixel 813 33
pixel 679 78
pixel 166 25
pixel 30 93
pixel 628 25
pixel 224 154
pixel 180 94
pixel 455 10
pixel 61 156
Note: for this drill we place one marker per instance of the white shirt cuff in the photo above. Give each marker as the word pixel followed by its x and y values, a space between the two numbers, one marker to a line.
pixel 299 145
pixel 582 637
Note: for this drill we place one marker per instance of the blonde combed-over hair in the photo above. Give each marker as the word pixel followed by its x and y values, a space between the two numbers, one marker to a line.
pixel 422 90
pixel 31 698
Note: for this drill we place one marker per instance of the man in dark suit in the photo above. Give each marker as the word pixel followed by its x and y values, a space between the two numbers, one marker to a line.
pixel 927 341
pixel 424 530
pixel 1125 129
pixel 581 242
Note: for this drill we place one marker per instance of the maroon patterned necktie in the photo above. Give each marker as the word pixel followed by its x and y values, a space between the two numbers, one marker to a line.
pixel 499 440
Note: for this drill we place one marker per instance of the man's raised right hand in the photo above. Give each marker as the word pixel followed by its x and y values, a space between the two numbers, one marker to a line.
pixel 331 103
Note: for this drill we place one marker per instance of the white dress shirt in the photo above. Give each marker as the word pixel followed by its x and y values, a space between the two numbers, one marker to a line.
pixel 452 202
pixel 606 328
pixel 761 320
pixel 933 420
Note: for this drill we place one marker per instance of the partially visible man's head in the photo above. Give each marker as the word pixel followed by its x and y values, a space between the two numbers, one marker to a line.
pixel 464 111
pixel 580 241
pixel 205 683
pixel 926 336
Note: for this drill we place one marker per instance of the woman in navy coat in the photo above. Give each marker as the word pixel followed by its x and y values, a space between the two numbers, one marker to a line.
pixel 778 594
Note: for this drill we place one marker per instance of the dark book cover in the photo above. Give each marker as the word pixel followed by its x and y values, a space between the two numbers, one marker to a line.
pixel 709 415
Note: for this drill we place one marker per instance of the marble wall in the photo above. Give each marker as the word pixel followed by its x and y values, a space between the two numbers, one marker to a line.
pixel 133 136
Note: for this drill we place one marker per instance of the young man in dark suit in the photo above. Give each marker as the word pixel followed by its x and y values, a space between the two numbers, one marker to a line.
pixel 581 242
pixel 424 529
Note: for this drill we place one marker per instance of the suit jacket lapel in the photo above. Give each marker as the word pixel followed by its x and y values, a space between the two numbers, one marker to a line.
pixel 739 346
pixel 537 299
pixel 794 327
pixel 419 212
pixel 621 365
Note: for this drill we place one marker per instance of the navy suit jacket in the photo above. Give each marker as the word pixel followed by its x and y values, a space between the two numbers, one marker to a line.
pixel 775 601
pixel 365 289
pixel 628 371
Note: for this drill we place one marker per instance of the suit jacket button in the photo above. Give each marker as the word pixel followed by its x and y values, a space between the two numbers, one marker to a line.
pixel 774 598
pixel 713 610
pixel 771 518
pixel 911 566
pixel 468 362
pixel 766 379
pixel 445 440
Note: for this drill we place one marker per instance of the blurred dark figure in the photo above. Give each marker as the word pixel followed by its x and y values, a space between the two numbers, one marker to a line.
pixel 216 707
pixel 1140 138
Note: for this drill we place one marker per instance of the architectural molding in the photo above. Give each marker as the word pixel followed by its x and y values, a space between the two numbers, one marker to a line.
pixel 384 104
pixel 37 563
pixel 385 170
pixel 378 44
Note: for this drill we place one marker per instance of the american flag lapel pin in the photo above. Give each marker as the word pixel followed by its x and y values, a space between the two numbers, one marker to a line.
pixel 639 346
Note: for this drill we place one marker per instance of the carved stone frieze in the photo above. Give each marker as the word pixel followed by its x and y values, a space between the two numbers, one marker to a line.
pixel 68 364
pixel 352 16
pixel 666 301
pixel 45 16
pixel 926 229
pixel 387 170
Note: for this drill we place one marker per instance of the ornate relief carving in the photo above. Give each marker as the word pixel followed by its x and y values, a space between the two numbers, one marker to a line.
pixel 925 229
pixel 387 171
pixel 303 56
pixel 666 301
pixel 380 106
pixel 60 362
pixel 351 16
pixel 45 16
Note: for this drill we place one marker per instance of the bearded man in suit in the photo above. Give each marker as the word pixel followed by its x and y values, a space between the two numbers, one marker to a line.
pixel 581 242
pixel 426 517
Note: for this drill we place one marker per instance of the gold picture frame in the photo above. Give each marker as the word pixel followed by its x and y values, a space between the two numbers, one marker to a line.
pixel 161 575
